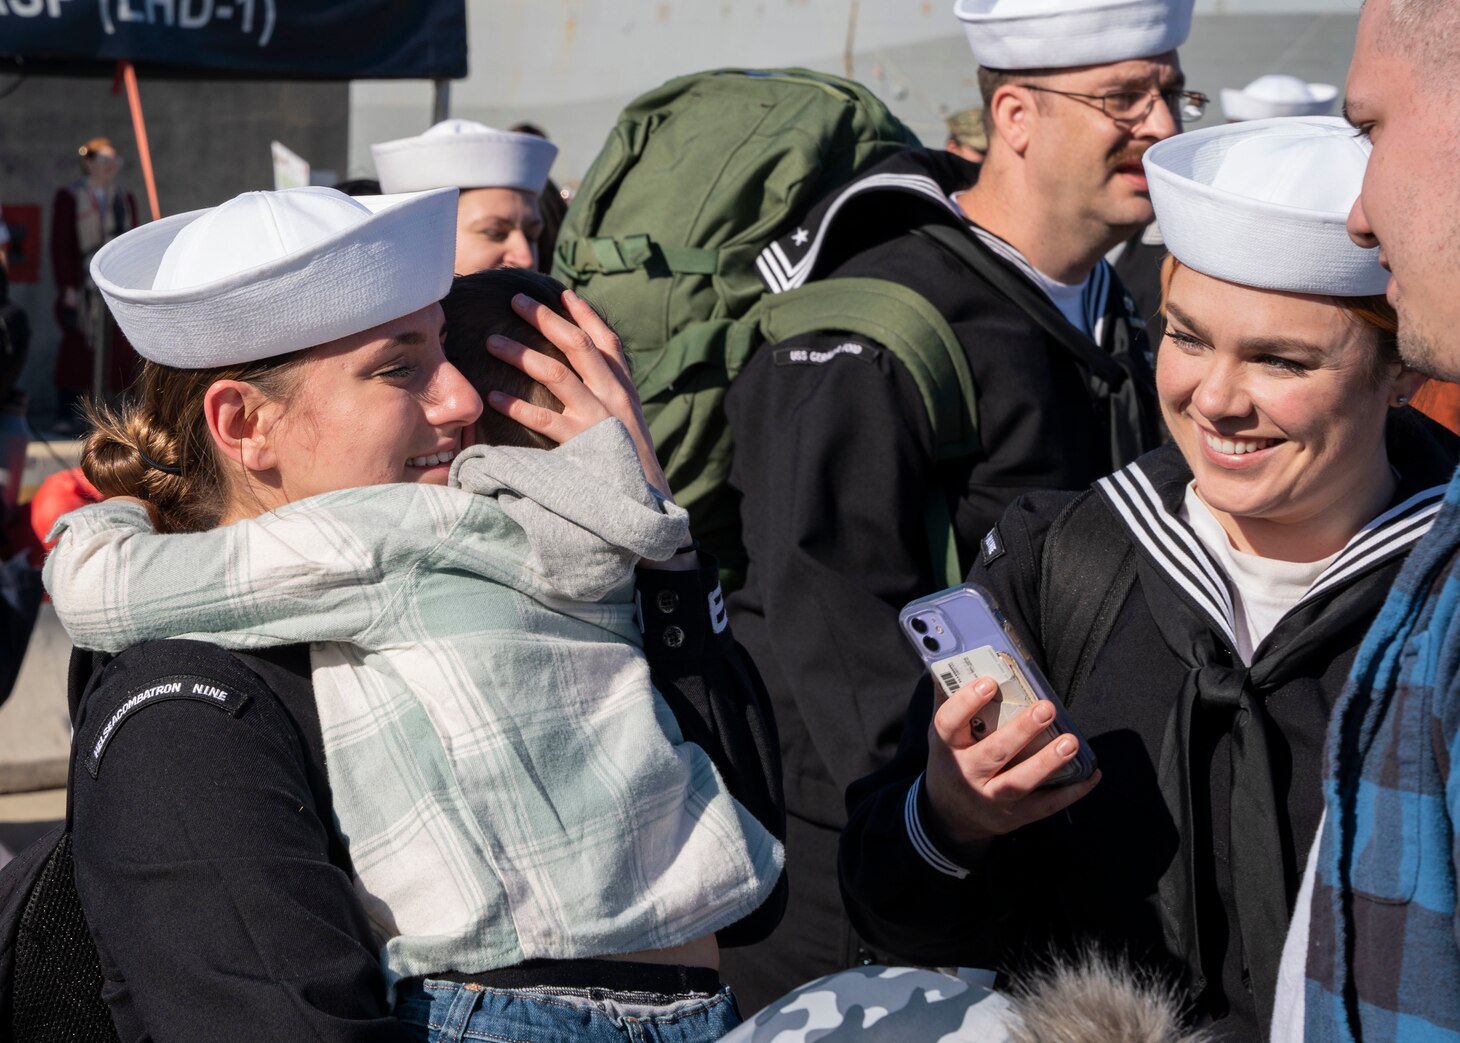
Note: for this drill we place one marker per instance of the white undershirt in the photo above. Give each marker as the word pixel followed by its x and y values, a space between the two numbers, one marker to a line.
pixel 1264 590
pixel 1289 1008
pixel 1069 298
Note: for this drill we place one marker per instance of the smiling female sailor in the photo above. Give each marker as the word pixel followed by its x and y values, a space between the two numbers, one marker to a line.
pixel 225 859
pixel 1199 610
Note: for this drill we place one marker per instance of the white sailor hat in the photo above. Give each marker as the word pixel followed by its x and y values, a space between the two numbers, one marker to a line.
pixel 1277 95
pixel 1061 34
pixel 267 273
pixel 464 154
pixel 1266 204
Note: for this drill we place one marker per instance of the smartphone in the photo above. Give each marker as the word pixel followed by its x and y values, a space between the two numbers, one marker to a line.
pixel 961 635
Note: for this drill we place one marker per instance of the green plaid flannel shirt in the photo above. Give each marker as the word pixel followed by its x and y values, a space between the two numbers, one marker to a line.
pixel 510 784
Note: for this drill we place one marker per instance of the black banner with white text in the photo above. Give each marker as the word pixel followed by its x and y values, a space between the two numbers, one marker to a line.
pixel 286 39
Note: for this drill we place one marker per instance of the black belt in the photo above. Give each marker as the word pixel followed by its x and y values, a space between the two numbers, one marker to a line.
pixel 610 975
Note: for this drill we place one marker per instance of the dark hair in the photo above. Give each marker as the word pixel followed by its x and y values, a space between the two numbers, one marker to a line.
pixel 162 422
pixel 480 305
pixel 990 80
pixel 360 186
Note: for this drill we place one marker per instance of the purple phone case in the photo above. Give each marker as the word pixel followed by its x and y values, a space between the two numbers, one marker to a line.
pixel 960 634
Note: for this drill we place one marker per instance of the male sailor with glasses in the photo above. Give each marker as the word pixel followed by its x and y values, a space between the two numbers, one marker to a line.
pixel 841 474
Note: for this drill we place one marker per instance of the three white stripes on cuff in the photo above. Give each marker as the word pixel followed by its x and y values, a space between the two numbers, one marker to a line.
pixel 920 842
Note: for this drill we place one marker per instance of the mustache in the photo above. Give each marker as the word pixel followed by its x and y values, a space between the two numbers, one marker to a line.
pixel 1129 155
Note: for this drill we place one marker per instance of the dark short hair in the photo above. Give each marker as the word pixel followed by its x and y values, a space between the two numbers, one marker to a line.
pixel 990 80
pixel 359 186
pixel 479 306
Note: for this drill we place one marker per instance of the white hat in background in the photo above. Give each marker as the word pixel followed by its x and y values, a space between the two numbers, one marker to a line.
pixel 267 273
pixel 1277 95
pixel 464 154
pixel 1266 204
pixel 1061 34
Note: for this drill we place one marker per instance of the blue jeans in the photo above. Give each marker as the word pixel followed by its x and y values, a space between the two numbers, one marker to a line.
pixel 448 1012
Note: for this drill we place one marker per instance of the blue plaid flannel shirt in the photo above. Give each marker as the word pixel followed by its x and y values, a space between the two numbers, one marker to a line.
pixel 1384 943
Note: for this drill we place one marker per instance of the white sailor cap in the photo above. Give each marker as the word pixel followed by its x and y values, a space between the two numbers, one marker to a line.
pixel 267 273
pixel 1061 34
pixel 1276 95
pixel 1266 204
pixel 464 154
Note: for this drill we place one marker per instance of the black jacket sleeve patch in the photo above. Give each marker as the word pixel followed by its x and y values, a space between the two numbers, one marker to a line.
pixel 815 357
pixel 176 686
pixel 991 547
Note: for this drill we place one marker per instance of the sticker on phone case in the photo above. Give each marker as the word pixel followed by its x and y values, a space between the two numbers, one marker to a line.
pixel 1015 691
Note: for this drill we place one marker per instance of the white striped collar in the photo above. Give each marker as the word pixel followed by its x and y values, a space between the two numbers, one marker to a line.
pixel 1170 543
pixel 1396 530
pixel 1092 296
pixel 781 274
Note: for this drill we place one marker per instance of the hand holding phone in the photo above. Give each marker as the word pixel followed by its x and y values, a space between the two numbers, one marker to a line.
pixel 1002 751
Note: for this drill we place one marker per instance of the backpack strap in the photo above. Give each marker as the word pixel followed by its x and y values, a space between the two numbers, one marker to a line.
pixel 1085 576
pixel 906 324
pixel 607 255
pixel 903 322
pixel 979 260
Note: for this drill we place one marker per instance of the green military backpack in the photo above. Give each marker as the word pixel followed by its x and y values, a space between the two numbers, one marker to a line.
pixel 696 179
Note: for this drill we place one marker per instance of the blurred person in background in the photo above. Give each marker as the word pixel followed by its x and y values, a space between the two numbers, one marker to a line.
pixel 85 215
pixel 360 186
pixel 1275 95
pixel 501 175
pixel 552 203
pixel 20 594
pixel 17 331
pixel 967 136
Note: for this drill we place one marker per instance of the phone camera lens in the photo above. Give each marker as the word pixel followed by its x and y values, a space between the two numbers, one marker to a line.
pixel 930 643
pixel 918 625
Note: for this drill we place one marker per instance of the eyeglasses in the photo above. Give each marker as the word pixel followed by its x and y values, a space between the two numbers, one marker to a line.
pixel 1134 106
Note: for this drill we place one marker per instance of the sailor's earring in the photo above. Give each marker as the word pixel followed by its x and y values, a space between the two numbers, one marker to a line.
pixel 1401 400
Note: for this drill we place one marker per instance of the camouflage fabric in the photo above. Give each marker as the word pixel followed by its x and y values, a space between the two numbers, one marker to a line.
pixel 883 1005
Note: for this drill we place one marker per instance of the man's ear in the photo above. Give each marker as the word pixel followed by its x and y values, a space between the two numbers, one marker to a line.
pixel 1012 110
pixel 241 419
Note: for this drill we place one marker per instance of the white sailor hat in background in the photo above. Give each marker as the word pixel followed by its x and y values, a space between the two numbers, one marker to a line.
pixel 464 154
pixel 1276 95
pixel 267 273
pixel 1266 204
pixel 1061 34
